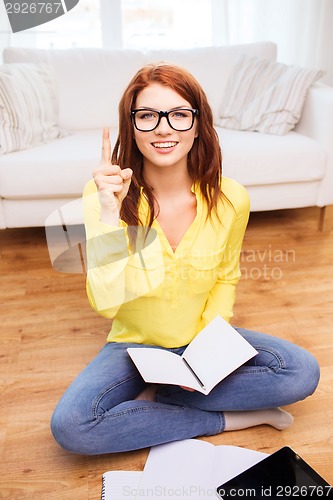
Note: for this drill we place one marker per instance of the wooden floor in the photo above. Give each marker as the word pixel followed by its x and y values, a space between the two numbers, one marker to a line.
pixel 48 333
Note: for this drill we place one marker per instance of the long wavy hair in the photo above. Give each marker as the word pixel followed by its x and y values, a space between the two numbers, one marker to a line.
pixel 204 159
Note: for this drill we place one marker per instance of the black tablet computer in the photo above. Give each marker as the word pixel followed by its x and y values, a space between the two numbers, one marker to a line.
pixel 282 475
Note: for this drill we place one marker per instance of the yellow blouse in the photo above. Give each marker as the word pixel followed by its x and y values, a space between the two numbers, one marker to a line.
pixel 156 295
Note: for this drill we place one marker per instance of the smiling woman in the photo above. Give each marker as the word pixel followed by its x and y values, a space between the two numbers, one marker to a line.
pixel 164 284
pixel 171 132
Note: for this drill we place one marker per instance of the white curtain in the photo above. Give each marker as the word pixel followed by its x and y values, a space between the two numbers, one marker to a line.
pixel 302 29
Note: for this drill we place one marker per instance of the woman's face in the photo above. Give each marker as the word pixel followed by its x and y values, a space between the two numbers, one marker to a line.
pixel 163 147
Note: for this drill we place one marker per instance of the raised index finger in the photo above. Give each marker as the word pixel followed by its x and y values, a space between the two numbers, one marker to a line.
pixel 106 146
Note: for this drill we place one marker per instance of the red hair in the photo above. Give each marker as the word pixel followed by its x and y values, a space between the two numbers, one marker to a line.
pixel 204 159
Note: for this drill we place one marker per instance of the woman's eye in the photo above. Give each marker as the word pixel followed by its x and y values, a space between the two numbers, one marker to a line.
pixel 146 116
pixel 180 114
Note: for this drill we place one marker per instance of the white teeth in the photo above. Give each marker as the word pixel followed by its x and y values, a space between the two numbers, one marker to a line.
pixel 164 144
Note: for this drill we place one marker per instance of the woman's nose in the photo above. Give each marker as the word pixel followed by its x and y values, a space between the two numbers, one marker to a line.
pixel 163 127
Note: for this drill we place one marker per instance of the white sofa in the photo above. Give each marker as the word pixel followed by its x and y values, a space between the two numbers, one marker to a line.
pixel 286 171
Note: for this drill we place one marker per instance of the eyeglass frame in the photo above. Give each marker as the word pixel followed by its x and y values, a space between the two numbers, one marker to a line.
pixel 161 114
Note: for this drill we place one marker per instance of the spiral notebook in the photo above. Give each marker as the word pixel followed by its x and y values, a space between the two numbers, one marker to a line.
pixel 190 468
pixel 120 484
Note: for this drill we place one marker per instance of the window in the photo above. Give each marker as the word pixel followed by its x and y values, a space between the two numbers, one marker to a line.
pixel 141 24
pixel 166 24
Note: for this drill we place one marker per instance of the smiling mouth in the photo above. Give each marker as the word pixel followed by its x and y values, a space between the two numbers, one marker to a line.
pixel 164 145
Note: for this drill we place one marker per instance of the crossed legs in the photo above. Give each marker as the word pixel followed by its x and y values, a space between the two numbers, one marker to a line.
pixel 99 413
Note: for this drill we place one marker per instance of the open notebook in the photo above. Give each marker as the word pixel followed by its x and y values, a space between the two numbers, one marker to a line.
pixel 191 468
pixel 211 356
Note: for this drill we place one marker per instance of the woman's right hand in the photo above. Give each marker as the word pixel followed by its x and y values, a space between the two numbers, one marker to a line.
pixel 112 183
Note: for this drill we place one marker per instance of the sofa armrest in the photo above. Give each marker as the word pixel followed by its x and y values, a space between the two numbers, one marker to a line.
pixel 317 122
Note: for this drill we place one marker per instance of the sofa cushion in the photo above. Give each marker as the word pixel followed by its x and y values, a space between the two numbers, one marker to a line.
pixel 90 82
pixel 261 159
pixel 265 96
pixel 61 168
pixel 28 106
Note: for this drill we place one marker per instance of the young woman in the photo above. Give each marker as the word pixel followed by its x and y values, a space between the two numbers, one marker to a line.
pixel 164 234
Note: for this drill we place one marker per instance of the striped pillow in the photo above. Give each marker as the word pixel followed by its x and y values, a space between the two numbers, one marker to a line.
pixel 28 106
pixel 265 96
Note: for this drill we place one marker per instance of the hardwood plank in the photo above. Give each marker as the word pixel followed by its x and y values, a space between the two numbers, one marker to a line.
pixel 48 333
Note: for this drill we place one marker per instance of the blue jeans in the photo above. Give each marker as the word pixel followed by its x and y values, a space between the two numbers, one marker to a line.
pixel 98 413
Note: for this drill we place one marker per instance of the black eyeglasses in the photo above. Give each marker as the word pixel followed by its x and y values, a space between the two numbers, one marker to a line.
pixel 180 119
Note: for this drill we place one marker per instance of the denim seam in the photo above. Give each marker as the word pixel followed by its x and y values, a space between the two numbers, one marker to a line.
pixel 101 395
pixel 252 370
pixel 143 409
pixel 273 353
